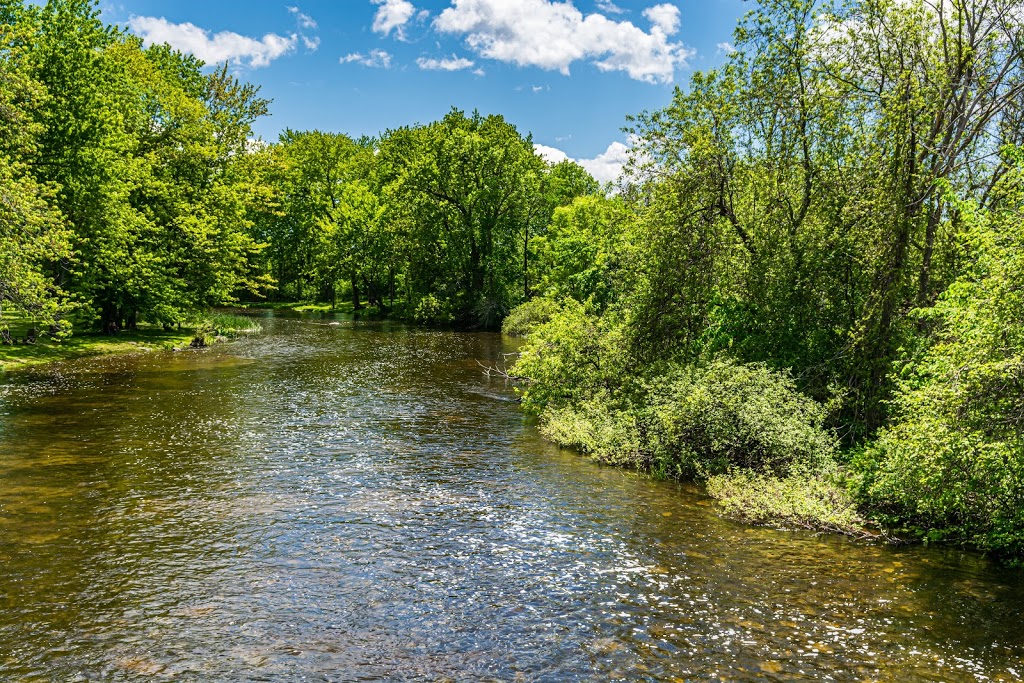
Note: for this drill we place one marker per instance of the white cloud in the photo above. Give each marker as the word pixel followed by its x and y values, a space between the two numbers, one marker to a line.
pixel 550 154
pixel 378 59
pixel 609 7
pixel 225 46
pixel 725 47
pixel 453 64
pixel 552 35
pixel 605 167
pixel 665 18
pixel 305 21
pixel 392 15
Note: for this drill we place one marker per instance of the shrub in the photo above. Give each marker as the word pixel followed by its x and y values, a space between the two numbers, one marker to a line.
pixel 708 419
pixel 574 357
pixel 801 500
pixel 528 316
pixel 598 429
pixel 432 310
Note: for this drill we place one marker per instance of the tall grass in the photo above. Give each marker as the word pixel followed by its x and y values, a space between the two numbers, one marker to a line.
pixel 232 325
pixel 219 326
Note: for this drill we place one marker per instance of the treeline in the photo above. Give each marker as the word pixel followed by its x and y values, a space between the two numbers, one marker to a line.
pixel 133 191
pixel 438 223
pixel 817 278
pixel 124 194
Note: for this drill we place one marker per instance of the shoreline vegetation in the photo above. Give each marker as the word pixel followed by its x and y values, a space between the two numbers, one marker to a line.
pixel 803 290
pixel 216 328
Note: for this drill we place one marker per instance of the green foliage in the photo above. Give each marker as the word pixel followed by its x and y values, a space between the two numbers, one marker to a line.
pixel 471 194
pixel 578 257
pixel 598 427
pixel 33 234
pixel 529 315
pixel 801 500
pixel 713 417
pixel 218 327
pixel 684 420
pixel 695 422
pixel 121 172
pixel 572 358
pixel 432 310
pixel 232 325
pixel 951 466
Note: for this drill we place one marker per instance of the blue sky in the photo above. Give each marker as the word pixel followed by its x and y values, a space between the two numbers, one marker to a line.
pixel 567 72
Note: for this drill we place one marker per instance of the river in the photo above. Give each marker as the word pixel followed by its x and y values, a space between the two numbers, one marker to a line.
pixel 358 502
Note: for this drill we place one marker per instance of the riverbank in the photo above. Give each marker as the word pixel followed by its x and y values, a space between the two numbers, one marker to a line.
pixel 216 328
pixel 48 350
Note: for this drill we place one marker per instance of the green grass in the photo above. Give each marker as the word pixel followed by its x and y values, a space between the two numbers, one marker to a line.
pixel 231 325
pixel 802 500
pixel 146 338
pixel 344 307
pixel 47 350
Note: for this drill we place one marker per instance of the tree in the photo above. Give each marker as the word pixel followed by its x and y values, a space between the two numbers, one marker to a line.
pixel 33 238
pixel 467 182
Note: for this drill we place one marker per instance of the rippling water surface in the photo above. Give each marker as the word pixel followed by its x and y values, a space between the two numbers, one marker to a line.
pixel 358 502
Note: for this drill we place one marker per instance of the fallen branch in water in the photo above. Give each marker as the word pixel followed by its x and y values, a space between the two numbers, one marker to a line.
pixel 502 370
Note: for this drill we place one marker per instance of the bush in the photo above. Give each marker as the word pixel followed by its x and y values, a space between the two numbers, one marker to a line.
pixel 802 500
pixel 596 428
pixel 708 419
pixel 432 310
pixel 528 316
pixel 574 357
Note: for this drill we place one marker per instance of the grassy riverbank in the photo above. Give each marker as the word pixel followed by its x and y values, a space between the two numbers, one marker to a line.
pixel 214 328
pixel 322 307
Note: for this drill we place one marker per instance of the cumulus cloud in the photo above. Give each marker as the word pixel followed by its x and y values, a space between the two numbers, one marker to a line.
pixel 550 154
pixel 552 35
pixel 665 18
pixel 225 46
pixel 453 64
pixel 725 47
pixel 378 59
pixel 605 167
pixel 392 15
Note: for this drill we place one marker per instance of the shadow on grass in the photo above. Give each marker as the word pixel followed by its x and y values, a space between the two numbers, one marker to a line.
pixel 47 350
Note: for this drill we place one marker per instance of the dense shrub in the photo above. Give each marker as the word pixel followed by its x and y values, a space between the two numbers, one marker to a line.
pixel 689 422
pixel 574 357
pixel 528 316
pixel 709 418
pixel 596 427
pixel 433 310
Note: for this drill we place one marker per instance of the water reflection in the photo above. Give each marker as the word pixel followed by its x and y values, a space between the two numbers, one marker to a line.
pixel 358 502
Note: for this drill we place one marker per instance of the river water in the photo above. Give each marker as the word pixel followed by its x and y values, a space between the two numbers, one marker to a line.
pixel 358 502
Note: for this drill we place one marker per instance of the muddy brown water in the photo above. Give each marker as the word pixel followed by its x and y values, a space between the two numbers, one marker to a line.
pixel 358 502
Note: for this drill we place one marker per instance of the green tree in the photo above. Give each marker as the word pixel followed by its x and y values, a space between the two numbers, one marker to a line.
pixel 467 183
pixel 33 238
